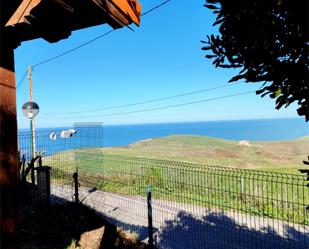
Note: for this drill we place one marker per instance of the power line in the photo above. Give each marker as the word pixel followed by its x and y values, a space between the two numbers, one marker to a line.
pixel 143 102
pixel 73 49
pixel 155 7
pixel 21 80
pixel 94 39
pixel 88 42
pixel 162 107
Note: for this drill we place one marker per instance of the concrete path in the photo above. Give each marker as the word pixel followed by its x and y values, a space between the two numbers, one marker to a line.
pixel 183 226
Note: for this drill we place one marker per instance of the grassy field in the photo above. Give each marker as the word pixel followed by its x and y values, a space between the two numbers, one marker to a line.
pixel 129 170
pixel 279 156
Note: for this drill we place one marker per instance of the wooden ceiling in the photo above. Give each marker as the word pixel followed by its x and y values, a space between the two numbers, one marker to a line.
pixel 54 20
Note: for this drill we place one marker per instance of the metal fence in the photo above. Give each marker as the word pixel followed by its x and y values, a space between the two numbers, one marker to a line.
pixel 193 206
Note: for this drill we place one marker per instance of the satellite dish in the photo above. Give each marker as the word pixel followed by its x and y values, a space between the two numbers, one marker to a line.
pixel 53 136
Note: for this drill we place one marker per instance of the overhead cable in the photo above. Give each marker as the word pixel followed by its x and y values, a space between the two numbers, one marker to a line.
pixel 143 102
pixel 21 80
pixel 159 108
pixel 90 41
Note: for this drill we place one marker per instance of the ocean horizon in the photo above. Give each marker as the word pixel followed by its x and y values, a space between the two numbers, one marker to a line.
pixel 252 130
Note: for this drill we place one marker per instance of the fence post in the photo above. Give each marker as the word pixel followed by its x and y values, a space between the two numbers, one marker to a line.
pixel 75 177
pixel 242 185
pixel 149 208
pixel 43 179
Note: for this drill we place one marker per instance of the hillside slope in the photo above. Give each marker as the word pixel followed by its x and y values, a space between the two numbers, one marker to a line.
pixel 283 156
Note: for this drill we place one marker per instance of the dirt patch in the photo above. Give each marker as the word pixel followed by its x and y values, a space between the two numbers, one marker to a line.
pixel 109 237
pixel 224 153
pixel 92 239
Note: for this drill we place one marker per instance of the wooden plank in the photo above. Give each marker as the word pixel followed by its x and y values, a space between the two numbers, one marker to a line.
pixel 122 12
pixel 54 20
pixel 23 10
pixel 131 8
pixel 9 173
pixel 7 8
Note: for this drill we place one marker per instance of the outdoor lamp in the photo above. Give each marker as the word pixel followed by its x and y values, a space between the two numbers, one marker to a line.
pixel 30 109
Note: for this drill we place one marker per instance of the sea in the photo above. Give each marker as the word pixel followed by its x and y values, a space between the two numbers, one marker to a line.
pixel 254 130
pixel 89 135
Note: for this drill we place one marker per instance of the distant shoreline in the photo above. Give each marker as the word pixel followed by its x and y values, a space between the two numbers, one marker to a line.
pixel 276 156
pixel 123 135
pixel 280 156
pixel 176 122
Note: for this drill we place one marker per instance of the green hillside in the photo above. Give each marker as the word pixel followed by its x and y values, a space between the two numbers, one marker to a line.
pixel 282 156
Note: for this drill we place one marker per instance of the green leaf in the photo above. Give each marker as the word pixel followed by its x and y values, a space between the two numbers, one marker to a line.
pixel 259 91
pixel 287 104
pixel 277 92
pixel 211 6
pixel 219 21
pixel 206 48
pixel 237 77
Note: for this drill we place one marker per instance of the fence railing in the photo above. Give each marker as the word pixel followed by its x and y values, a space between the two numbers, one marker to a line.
pixel 269 206
pixel 194 206
pixel 276 195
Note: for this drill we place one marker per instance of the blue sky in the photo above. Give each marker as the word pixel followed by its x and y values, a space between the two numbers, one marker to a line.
pixel 161 58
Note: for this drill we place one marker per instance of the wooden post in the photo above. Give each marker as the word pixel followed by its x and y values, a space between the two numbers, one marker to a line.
pixel 9 174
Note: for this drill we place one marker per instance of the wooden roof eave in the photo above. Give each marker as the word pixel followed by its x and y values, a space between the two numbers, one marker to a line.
pixel 54 20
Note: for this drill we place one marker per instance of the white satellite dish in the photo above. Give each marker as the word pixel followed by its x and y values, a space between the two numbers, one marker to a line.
pixel 53 136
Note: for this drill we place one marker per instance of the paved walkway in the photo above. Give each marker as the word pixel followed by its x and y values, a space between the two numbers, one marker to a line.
pixel 183 226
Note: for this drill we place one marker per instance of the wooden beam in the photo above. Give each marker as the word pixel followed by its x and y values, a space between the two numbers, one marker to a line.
pixel 22 11
pixel 9 172
pixel 7 9
pixel 54 20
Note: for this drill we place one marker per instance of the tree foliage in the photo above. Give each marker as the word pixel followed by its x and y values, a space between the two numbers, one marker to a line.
pixel 268 41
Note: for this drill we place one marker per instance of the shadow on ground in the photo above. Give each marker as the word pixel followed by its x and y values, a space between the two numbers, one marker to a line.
pixel 56 226
pixel 141 230
pixel 217 231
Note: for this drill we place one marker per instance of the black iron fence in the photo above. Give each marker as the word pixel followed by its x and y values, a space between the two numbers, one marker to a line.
pixel 193 206
pixel 267 207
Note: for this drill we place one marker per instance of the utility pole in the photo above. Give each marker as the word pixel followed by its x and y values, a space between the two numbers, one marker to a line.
pixel 32 124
